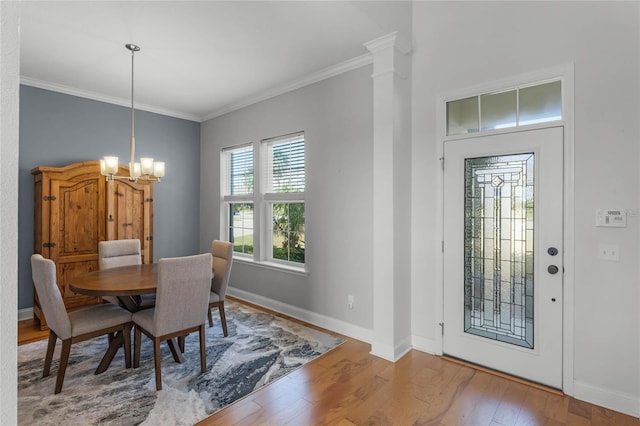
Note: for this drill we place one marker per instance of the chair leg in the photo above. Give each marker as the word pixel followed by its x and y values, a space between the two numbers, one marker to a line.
pixel 127 345
pixel 203 351
pixel 181 343
pixel 156 361
pixel 210 317
pixel 137 337
pixel 64 359
pixel 49 356
pixel 223 319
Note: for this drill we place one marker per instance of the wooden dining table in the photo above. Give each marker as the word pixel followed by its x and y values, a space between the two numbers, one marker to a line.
pixel 126 283
pixel 123 282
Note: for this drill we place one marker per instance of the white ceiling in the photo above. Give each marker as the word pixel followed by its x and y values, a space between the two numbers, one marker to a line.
pixel 198 59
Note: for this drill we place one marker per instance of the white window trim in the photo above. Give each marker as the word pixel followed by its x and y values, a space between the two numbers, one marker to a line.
pixel 262 226
pixel 227 200
pixel 269 198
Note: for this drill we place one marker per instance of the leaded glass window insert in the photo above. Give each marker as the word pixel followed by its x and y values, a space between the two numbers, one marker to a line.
pixel 498 248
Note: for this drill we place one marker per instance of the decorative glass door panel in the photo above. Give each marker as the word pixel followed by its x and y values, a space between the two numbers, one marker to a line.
pixel 498 248
pixel 503 232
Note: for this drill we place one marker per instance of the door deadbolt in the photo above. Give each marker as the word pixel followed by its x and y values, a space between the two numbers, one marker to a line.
pixel 552 251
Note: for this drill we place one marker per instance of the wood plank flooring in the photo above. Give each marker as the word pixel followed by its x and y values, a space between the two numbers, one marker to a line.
pixel 349 386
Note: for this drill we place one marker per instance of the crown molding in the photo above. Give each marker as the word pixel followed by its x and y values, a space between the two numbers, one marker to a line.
pixel 351 64
pixel 41 84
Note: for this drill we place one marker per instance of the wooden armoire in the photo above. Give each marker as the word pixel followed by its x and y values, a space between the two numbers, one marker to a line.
pixel 75 208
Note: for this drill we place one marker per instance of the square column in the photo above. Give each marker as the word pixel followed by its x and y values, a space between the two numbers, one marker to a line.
pixel 391 196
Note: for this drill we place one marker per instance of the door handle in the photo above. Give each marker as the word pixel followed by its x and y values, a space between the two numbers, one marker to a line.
pixel 552 269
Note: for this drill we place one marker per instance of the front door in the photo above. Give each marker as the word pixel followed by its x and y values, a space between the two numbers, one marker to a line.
pixel 503 210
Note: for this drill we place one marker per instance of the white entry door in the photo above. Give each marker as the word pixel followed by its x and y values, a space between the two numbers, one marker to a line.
pixel 503 213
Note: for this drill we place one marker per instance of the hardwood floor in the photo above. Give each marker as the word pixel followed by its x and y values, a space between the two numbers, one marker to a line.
pixel 349 386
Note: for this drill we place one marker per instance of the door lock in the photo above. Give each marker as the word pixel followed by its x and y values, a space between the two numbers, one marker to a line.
pixel 552 269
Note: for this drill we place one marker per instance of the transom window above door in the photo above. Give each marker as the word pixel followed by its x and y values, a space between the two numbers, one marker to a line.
pixel 514 107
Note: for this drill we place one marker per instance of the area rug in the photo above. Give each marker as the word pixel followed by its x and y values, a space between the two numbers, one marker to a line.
pixel 260 348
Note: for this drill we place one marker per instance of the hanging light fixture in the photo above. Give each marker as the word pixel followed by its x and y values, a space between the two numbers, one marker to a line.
pixel 146 169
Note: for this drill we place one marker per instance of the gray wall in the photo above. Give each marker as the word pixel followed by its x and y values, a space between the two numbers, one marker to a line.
pixel 58 129
pixel 337 118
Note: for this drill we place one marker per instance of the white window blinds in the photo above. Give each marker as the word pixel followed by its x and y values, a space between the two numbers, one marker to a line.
pixel 283 165
pixel 238 166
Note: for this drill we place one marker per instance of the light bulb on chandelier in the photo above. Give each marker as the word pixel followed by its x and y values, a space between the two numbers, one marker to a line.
pixel 146 169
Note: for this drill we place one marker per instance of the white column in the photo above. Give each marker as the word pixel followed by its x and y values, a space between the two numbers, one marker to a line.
pixel 9 111
pixel 391 121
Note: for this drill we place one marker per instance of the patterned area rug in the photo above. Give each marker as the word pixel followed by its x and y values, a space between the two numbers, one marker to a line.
pixel 260 348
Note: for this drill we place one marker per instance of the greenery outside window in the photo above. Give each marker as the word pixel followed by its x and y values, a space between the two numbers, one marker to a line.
pixel 241 227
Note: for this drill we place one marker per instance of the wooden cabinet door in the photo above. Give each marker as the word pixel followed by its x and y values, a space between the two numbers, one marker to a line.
pixel 130 214
pixel 76 225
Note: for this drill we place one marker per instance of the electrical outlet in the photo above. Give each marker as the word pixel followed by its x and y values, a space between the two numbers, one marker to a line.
pixel 350 301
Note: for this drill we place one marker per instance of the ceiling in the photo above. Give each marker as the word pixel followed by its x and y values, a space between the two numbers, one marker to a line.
pixel 198 59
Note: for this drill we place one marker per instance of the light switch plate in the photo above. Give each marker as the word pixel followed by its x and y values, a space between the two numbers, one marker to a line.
pixel 609 252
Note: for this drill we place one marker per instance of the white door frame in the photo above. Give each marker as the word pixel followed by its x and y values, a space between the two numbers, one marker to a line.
pixel 566 74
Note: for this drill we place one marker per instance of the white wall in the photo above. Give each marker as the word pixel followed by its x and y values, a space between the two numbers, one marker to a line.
pixel 9 85
pixel 463 44
pixel 336 116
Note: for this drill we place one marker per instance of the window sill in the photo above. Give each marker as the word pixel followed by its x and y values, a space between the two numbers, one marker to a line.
pixel 272 265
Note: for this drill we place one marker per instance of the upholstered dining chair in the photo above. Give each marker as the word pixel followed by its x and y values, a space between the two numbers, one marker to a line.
pixel 75 326
pixel 222 252
pixel 181 306
pixel 115 253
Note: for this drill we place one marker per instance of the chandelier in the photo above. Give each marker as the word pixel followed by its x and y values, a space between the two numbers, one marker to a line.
pixel 146 169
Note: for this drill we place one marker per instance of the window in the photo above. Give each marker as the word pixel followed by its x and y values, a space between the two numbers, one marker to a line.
pixel 284 184
pixel 275 215
pixel 519 106
pixel 237 195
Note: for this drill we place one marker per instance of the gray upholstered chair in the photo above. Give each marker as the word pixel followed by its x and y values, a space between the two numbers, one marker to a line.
pixel 115 253
pixel 222 252
pixel 74 326
pixel 181 306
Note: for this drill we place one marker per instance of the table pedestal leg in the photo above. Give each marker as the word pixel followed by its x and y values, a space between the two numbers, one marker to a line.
pixel 173 347
pixel 114 344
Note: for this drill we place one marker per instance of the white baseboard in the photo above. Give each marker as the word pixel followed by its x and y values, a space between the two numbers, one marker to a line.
pixel 331 324
pixel 613 400
pixel 387 352
pixel 424 344
pixel 25 314
pixel 390 352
